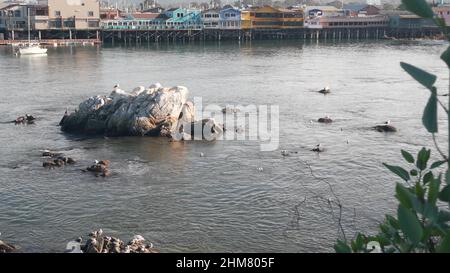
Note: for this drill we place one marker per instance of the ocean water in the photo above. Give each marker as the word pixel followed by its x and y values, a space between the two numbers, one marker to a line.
pixel 235 198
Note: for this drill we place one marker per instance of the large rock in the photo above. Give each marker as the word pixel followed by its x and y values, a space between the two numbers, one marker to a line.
pixel 154 111
pixel 100 243
pixel 6 248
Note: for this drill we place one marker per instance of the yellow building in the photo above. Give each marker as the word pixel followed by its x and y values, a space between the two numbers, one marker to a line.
pixel 269 17
pixel 292 18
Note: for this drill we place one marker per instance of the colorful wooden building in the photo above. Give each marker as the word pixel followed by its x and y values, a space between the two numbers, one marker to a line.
pixel 271 18
pixel 230 18
pixel 211 18
pixel 181 18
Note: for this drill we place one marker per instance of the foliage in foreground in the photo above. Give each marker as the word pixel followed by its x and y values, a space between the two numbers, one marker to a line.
pixel 422 223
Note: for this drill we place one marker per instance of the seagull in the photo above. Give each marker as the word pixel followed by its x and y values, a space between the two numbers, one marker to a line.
pixel 318 148
pixel 385 127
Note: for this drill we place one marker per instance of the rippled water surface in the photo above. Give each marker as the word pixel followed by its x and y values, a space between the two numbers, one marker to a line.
pixel 235 198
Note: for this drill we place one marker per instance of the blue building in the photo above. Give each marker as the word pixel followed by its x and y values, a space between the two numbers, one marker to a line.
pixel 181 18
pixel 230 18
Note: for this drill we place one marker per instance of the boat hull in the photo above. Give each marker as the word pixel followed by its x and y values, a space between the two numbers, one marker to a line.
pixel 32 50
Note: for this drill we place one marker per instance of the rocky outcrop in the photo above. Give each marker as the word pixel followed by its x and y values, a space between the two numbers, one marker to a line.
pixel 100 243
pixel 7 248
pixel 100 168
pixel 154 111
pixel 57 159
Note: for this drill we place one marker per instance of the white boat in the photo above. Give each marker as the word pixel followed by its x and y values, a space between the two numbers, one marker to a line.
pixel 30 49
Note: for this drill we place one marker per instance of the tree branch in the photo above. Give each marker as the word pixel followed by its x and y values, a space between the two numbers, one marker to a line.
pixel 437 147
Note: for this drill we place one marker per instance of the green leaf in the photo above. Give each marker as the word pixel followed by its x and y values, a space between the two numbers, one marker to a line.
pixel 422 158
pixel 446 56
pixel 444 195
pixel 413 173
pixel 398 171
pixel 420 191
pixel 342 247
pixel 444 216
pixel 433 190
pixel 437 164
pixel 428 177
pixel 430 114
pixel 423 77
pixel 383 240
pixel 410 225
pixel 407 156
pixel 431 212
pixel 360 241
pixel 419 7
pixel 392 221
pixel 403 195
pixel 447 176
pixel 444 246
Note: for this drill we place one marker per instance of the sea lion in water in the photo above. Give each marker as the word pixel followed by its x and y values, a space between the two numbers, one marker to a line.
pixel 386 127
pixel 326 119
pixel 325 91
pixel 27 119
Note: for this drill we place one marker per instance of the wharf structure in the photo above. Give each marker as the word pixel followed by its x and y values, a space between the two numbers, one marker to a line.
pixel 85 20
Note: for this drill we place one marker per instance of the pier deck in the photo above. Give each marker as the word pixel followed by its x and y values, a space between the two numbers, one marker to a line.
pixel 139 36
pixel 53 41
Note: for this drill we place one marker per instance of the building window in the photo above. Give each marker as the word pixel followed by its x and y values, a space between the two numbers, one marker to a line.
pixel 91 14
pixel 93 24
pixel 17 13
pixel 57 13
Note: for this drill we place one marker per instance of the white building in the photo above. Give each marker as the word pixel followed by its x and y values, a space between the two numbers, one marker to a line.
pixel 211 18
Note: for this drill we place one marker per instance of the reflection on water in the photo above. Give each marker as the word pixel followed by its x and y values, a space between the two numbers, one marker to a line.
pixel 235 198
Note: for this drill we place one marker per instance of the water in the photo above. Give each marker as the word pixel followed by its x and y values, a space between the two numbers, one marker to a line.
pixel 223 201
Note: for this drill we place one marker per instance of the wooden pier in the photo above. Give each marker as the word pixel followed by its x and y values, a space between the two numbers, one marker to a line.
pixel 155 36
pixel 141 36
pixel 58 42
